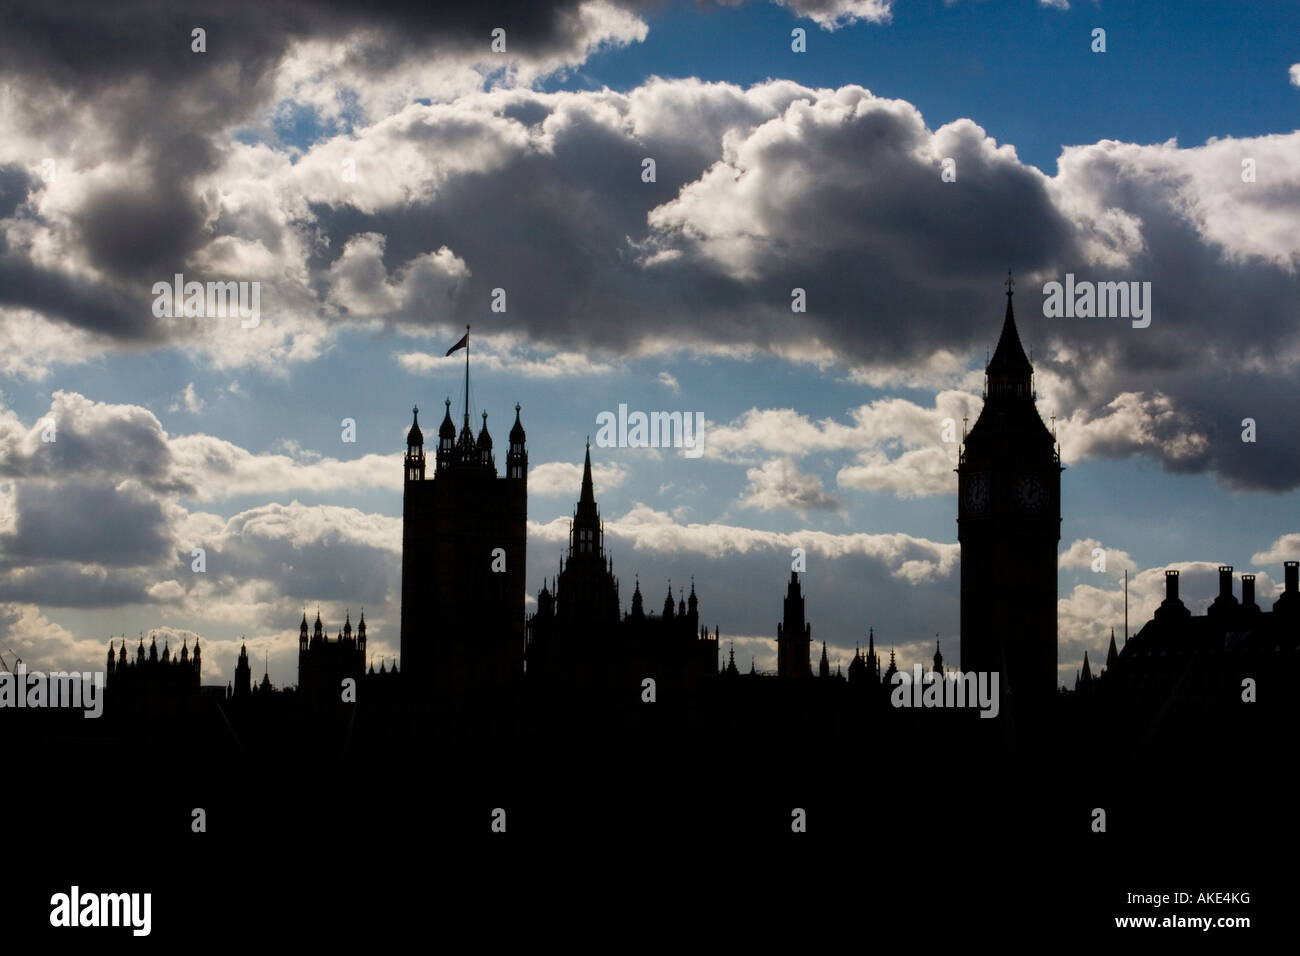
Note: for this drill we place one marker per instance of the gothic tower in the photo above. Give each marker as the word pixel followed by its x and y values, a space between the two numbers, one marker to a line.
pixel 793 635
pixel 243 674
pixel 1009 526
pixel 571 639
pixel 463 561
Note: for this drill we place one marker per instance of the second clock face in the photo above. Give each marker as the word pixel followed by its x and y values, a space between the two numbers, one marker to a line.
pixel 1031 493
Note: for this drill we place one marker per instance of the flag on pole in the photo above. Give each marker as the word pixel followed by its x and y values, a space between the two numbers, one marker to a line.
pixel 463 343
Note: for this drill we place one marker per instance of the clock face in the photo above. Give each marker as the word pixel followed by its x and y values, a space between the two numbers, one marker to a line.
pixel 1031 493
pixel 977 493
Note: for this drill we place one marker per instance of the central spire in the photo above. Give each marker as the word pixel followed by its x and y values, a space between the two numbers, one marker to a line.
pixel 588 494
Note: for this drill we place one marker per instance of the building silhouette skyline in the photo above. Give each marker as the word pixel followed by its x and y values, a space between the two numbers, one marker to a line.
pixel 465 637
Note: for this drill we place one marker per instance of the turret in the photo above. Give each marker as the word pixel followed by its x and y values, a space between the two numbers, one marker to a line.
pixel 446 443
pixel 302 633
pixel 415 448
pixel 517 458
pixel 638 606
pixel 484 446
pixel 243 674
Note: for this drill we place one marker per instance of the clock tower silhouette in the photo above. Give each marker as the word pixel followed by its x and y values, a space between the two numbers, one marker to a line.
pixel 1009 527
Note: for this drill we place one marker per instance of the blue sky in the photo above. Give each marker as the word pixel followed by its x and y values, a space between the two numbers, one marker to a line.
pixel 667 296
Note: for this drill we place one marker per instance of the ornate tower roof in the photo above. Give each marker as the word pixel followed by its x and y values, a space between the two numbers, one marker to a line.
pixel 1009 363
pixel 638 605
pixel 446 430
pixel 517 435
pixel 415 436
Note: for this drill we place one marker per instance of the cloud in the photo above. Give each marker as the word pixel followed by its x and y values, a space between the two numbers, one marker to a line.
pixel 779 485
pixel 1295 74
pixel 900 447
pixel 669 381
pixel 1285 548
pixel 1080 555
pixel 1134 423
pixel 361 283
pixel 833 14
pixel 565 478
pixel 188 399
pixel 503 357
pixel 95 442
pixel 463 178
pixel 908 558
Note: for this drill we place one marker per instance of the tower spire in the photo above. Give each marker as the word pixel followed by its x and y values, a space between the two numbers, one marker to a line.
pixel 588 489
pixel 1008 372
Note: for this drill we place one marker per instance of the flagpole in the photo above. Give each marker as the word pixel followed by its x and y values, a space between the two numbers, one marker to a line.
pixel 467 374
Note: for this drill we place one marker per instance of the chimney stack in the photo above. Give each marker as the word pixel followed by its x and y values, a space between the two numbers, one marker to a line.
pixel 1292 571
pixel 1225 582
pixel 1248 591
pixel 1171 586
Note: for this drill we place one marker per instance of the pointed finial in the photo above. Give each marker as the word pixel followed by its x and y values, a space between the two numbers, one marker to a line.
pixel 1010 284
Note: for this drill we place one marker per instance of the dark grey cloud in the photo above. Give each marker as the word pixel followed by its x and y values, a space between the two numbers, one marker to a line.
pixel 85 521
pixel 14 184
pixel 169 110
